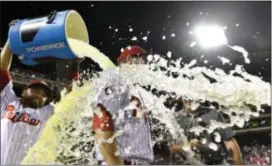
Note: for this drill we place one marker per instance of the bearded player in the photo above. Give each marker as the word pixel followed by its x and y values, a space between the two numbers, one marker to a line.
pixel 22 119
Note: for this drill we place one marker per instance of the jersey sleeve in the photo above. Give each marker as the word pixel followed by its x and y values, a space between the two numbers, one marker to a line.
pixel 5 79
pixel 7 93
pixel 102 120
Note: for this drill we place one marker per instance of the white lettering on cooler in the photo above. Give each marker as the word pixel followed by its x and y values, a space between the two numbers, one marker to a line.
pixel 46 47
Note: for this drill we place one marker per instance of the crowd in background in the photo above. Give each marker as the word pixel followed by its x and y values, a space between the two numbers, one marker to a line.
pixel 25 76
pixel 28 74
pixel 257 154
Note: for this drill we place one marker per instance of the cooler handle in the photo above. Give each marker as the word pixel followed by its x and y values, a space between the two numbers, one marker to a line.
pixel 51 17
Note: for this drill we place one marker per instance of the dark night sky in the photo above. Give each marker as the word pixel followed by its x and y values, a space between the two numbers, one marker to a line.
pixel 163 18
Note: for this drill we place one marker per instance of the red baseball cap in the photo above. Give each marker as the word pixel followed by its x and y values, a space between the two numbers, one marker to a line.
pixel 42 84
pixel 133 51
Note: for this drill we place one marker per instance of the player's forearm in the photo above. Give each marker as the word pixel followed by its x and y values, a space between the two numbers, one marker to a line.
pixel 107 149
pixel 233 146
pixel 237 156
pixel 6 57
pixel 108 152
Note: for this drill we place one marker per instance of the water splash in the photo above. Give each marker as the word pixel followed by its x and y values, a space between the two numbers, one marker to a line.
pixel 145 38
pixel 75 143
pixel 193 44
pixel 224 60
pixel 134 38
pixel 241 50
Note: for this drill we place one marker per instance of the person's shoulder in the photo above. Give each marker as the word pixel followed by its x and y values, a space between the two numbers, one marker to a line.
pixel 49 107
pixel 107 72
pixel 105 77
pixel 7 87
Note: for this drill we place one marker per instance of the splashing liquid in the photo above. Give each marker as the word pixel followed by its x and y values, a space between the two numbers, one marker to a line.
pixel 241 50
pixel 68 132
pixel 71 107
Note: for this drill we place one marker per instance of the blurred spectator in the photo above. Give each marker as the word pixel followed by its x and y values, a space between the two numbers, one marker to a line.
pixel 24 76
pixel 257 154
pixel 29 73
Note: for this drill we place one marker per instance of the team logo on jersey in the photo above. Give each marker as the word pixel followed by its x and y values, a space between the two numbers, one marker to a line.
pixel 19 116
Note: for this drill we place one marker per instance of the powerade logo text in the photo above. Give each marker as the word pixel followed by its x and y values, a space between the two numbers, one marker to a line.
pixel 46 47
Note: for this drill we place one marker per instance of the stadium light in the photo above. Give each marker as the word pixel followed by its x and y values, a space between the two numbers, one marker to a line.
pixel 210 36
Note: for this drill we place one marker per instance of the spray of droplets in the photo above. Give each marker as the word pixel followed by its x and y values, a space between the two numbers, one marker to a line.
pixel 234 93
pixel 231 92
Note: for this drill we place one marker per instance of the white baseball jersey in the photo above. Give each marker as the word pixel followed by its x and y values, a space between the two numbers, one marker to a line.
pixel 20 127
pixel 135 141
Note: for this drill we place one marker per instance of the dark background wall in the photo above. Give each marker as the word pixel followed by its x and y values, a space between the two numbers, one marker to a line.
pixel 161 18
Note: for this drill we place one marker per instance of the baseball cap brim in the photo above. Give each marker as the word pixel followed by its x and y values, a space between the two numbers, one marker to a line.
pixel 41 84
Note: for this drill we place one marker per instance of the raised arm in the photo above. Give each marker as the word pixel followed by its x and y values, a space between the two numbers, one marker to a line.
pixel 5 63
pixel 104 130
pixel 7 93
pixel 6 54
pixel 227 135
pixel 6 58
pixel 234 149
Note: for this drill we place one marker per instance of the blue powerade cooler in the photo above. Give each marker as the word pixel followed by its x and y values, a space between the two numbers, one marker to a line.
pixel 44 39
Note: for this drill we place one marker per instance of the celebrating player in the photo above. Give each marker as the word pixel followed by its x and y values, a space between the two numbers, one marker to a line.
pixel 133 146
pixel 192 115
pixel 22 119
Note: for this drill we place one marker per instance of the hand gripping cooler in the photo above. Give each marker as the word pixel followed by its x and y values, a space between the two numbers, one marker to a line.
pixel 44 39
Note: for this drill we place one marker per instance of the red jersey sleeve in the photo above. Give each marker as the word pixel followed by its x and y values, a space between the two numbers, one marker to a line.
pixel 104 122
pixel 5 78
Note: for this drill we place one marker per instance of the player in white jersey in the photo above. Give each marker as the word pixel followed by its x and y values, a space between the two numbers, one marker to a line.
pixel 133 146
pixel 22 119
